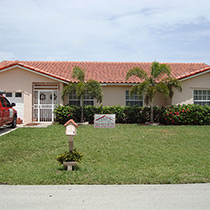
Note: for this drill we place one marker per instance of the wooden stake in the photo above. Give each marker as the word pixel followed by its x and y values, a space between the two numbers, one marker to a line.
pixel 71 144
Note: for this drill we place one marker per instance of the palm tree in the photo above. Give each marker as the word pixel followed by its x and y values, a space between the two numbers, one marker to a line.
pixel 154 82
pixel 91 86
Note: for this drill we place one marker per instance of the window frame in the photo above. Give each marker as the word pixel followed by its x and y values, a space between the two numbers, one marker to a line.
pixel 87 98
pixel 9 94
pixel 18 94
pixel 134 99
pixel 198 97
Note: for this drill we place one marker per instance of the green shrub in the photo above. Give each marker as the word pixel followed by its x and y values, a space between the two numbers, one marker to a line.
pixel 70 156
pixel 124 114
pixel 89 112
pixel 186 115
pixel 64 113
pixel 167 115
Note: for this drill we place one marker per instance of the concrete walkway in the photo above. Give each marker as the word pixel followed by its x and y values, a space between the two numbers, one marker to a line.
pixel 106 197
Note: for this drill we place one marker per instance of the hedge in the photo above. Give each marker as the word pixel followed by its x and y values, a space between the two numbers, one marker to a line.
pixel 167 115
pixel 186 115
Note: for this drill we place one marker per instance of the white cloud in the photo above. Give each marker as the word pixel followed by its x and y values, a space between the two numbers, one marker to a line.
pixel 100 30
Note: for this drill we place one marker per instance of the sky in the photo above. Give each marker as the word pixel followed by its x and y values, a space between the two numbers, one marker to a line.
pixel 105 30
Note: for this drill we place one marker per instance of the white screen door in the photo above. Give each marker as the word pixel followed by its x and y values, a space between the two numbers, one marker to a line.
pixel 44 105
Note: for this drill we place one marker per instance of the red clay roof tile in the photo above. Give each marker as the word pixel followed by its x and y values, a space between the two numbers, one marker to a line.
pixel 104 72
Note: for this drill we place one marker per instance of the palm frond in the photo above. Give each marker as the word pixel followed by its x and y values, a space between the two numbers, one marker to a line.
pixel 143 86
pixel 140 73
pixel 68 89
pixel 149 94
pixel 94 89
pixel 78 74
pixel 172 83
pixel 163 88
pixel 160 69
pixel 133 90
pixel 154 69
pixel 140 89
pixel 80 89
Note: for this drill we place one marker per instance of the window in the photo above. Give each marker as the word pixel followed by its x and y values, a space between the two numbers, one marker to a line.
pixel 7 103
pixel 2 102
pixel 201 97
pixel 134 100
pixel 88 99
pixel 74 100
pixel 9 94
pixel 18 95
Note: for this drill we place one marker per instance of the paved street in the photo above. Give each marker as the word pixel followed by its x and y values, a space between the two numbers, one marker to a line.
pixel 106 197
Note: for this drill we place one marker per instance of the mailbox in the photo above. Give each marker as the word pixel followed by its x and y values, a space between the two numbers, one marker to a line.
pixel 71 128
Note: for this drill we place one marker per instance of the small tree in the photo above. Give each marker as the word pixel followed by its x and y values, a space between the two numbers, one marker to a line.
pixel 91 86
pixel 154 82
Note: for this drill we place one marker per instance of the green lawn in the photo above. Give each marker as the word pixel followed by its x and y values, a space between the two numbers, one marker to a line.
pixel 127 154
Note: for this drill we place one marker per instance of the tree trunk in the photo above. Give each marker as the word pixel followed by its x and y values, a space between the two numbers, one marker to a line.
pixel 82 109
pixel 152 112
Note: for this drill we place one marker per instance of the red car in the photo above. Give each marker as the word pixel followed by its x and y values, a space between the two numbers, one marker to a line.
pixel 8 115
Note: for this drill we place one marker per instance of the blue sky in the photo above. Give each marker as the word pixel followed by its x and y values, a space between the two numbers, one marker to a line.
pixel 105 30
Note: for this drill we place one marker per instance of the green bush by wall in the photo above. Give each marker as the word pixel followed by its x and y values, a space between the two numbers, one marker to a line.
pixel 167 115
pixel 186 115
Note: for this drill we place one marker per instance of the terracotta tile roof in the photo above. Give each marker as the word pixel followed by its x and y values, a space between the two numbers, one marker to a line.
pixel 104 72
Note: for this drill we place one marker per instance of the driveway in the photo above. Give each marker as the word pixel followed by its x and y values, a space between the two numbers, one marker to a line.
pixel 106 197
pixel 5 130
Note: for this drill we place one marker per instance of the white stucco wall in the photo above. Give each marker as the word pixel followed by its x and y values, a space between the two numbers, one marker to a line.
pixel 115 95
pixel 19 80
pixel 201 82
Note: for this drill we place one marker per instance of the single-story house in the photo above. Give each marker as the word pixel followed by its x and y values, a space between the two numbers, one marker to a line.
pixel 36 86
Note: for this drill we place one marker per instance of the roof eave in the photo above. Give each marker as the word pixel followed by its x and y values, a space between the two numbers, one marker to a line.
pixel 195 74
pixel 34 71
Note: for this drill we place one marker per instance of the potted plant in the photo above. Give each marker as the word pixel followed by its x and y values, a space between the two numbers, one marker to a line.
pixel 70 159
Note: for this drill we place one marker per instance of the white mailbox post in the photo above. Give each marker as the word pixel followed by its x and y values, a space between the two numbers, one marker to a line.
pixel 71 131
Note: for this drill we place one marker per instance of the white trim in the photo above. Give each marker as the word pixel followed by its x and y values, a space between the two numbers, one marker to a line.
pixel 33 71
pixel 200 88
pixel 200 100
pixel 195 75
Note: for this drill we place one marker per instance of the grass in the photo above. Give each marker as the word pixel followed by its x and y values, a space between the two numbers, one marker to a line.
pixel 127 154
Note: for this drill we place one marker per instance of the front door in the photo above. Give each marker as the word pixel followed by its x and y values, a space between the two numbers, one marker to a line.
pixel 44 105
